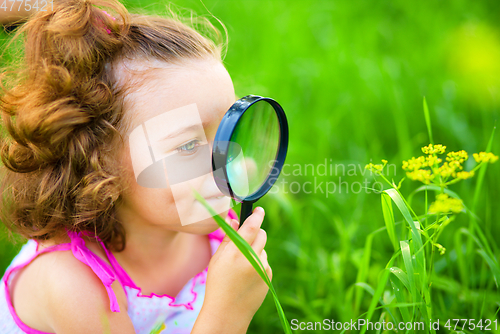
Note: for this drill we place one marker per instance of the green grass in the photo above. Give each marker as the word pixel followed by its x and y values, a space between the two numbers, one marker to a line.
pixel 351 76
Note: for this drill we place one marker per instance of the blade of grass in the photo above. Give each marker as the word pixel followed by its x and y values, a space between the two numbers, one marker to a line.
pixel 473 225
pixel 461 261
pixel 482 171
pixel 380 290
pixel 492 264
pixel 389 219
pixel 398 284
pixel 400 203
pixel 397 287
pixel 356 320
pixel 401 275
pixel 249 253
pixel 428 121
pixel 366 287
pixel 363 271
pixel 418 246
pixel 405 251
pixel 433 188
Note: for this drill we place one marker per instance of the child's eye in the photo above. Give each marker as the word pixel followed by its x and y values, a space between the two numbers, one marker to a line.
pixel 188 148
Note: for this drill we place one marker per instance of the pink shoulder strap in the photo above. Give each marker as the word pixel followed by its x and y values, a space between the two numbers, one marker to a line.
pixel 83 254
pixel 98 265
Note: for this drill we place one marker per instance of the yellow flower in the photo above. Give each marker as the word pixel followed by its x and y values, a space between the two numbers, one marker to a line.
pixel 455 164
pixel 485 157
pixel 422 175
pixel 432 160
pixel 414 163
pixel 459 156
pixel 446 204
pixel 465 175
pixel 446 170
pixel 376 168
pixel 434 149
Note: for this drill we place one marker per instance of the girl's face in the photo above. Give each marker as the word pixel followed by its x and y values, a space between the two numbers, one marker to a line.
pixel 174 115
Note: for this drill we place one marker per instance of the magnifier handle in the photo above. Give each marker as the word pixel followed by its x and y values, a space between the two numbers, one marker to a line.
pixel 246 210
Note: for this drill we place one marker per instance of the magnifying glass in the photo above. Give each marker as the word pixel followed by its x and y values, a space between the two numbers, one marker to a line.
pixel 249 150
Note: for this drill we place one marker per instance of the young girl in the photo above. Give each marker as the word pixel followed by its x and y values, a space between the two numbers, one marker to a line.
pixel 106 255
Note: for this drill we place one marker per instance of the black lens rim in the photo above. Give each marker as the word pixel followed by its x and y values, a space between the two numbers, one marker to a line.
pixel 221 144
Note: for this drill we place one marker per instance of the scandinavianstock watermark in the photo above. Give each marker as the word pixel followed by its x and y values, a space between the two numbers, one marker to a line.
pixel 328 178
pixel 415 327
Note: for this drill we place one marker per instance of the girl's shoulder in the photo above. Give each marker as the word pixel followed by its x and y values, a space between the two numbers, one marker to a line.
pixel 69 285
pixel 57 290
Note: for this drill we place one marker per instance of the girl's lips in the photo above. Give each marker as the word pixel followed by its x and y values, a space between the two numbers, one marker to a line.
pixel 216 196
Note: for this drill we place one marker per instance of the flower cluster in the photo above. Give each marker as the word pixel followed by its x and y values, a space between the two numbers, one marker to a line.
pixel 428 169
pixel 446 204
pixel 434 149
pixel 459 156
pixel 376 168
pixel 485 157
pixel 422 175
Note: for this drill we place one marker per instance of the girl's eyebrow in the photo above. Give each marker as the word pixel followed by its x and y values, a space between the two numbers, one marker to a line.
pixel 181 130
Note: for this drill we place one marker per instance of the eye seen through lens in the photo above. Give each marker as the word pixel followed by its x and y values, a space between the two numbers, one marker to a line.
pixel 253 149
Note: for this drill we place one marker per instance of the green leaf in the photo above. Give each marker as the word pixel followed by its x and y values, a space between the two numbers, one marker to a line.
pixel 389 219
pixel 434 188
pixel 418 250
pixel 363 271
pixel 401 275
pixel 493 264
pixel 405 251
pixel 400 203
pixel 380 289
pixel 249 253
pixel 366 287
pixel 482 171
pixel 428 121
pixel 397 287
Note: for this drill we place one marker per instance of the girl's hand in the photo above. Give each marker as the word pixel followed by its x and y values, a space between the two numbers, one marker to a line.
pixel 234 290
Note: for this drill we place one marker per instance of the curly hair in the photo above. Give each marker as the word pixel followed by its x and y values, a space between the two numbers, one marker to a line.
pixel 62 112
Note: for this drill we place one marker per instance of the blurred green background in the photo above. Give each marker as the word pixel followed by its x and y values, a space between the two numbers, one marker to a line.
pixel 351 77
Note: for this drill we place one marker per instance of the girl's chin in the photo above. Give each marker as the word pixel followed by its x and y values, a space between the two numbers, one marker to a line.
pixel 204 226
pixel 198 215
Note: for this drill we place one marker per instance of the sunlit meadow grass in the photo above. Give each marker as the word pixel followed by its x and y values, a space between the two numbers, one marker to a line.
pixel 351 75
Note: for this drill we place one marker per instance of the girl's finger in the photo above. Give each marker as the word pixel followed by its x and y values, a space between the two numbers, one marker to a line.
pixel 234 224
pixel 260 241
pixel 263 256
pixel 265 263
pixel 251 226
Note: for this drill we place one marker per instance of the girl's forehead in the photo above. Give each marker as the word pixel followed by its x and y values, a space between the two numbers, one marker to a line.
pixel 156 88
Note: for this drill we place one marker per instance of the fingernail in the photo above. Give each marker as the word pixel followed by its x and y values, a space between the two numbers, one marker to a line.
pixel 235 224
pixel 260 209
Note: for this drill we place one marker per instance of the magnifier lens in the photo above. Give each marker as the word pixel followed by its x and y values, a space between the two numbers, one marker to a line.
pixel 253 149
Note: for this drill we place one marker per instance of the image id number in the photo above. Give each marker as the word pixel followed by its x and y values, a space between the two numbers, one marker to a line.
pixel 471 324
pixel 26 5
